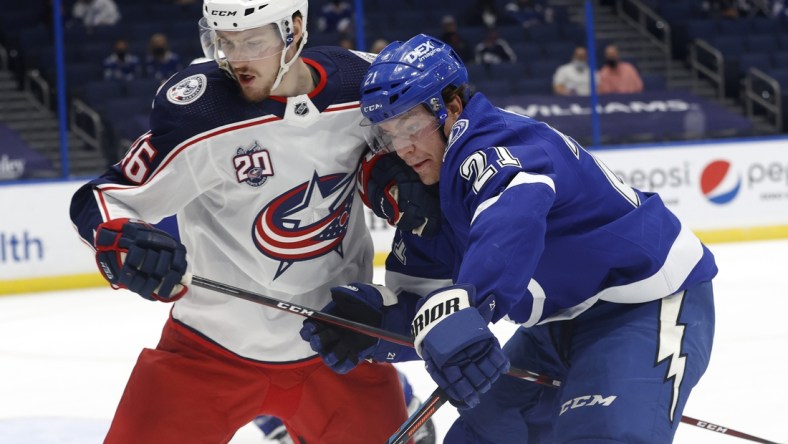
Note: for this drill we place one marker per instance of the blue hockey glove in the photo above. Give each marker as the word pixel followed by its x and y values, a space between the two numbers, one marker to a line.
pixel 394 192
pixel 460 352
pixel 133 254
pixel 342 349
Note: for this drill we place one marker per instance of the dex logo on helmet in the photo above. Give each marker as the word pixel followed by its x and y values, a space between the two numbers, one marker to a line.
pixel 421 52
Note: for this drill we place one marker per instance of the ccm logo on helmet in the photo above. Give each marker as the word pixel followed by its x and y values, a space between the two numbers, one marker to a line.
pixel 370 108
pixel 223 13
pixel 421 52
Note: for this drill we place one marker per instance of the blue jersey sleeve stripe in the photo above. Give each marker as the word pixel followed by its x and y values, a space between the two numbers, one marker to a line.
pixel 684 254
pixel 522 178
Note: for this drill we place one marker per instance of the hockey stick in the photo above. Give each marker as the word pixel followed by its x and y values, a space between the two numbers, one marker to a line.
pixel 302 311
pixel 439 397
pixel 419 417
pixel 723 430
pixel 427 409
pixel 358 327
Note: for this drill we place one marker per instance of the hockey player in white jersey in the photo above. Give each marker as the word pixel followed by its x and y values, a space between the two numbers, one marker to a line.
pixel 256 154
pixel 612 292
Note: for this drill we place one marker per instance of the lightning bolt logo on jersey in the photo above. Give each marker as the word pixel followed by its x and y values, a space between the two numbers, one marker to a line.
pixel 307 221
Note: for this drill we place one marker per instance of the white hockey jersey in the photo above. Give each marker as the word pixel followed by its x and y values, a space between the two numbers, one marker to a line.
pixel 264 194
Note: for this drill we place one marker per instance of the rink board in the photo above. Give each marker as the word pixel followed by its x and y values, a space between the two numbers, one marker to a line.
pixel 730 191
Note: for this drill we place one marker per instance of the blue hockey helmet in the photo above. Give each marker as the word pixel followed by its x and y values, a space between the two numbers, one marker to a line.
pixel 408 74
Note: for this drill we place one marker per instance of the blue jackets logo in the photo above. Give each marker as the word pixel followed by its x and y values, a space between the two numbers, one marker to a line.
pixel 306 222
pixel 187 90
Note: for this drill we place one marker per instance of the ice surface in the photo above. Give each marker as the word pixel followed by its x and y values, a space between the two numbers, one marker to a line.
pixel 65 357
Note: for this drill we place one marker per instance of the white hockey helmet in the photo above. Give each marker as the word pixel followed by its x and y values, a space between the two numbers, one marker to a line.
pixel 242 15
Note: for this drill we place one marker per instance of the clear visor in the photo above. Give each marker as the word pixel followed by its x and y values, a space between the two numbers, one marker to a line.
pixel 241 46
pixel 401 132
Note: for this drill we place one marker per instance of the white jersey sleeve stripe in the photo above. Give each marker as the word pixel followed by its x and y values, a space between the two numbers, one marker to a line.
pixel 522 178
pixel 684 254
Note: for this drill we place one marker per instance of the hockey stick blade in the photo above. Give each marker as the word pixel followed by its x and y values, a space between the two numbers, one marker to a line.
pixel 419 417
pixel 723 430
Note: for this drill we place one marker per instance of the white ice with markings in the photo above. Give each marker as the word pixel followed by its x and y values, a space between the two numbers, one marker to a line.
pixel 65 357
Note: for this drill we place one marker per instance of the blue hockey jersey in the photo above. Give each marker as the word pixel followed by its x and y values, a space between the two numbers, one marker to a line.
pixel 548 229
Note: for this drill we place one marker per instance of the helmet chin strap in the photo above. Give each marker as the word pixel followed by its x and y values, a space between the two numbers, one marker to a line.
pixel 283 65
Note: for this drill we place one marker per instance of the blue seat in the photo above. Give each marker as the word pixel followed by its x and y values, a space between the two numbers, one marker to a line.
pixel 761 61
pixel 572 32
pixel 559 50
pixel 473 34
pixel 544 68
pixel 762 43
pixel 780 59
pixel 527 51
pixel 513 34
pixel 542 33
pixel 184 29
pixel 535 86
pixel 704 29
pixel 764 25
pixel 495 88
pixel 97 92
pixel 78 74
pixel 141 88
pixel 779 74
pixel 134 11
pixel 729 45
pixel 508 71
pixel 737 28
pixel 478 72
pixel 674 12
pixel 653 82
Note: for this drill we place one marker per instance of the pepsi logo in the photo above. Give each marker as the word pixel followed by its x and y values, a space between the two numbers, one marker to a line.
pixel 719 183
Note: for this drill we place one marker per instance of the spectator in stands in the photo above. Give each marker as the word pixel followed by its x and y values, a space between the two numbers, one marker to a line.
pixel 336 16
pixel 454 39
pixel 484 13
pixel 618 76
pixel 779 9
pixel 161 63
pixel 573 78
pixel 721 8
pixel 494 50
pixel 120 65
pixel 347 43
pixel 378 46
pixel 526 13
pixel 96 12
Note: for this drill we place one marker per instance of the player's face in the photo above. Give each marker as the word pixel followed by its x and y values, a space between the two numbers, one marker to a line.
pixel 416 139
pixel 254 56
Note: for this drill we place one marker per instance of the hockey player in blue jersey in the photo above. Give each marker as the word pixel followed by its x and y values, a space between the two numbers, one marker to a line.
pixel 613 294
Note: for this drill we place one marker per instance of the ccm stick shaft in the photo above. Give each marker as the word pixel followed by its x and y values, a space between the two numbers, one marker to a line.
pixel 438 397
